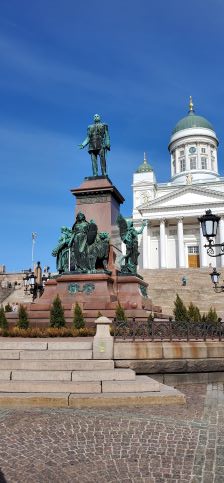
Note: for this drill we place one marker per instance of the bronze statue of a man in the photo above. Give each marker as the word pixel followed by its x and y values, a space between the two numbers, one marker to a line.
pixel 98 142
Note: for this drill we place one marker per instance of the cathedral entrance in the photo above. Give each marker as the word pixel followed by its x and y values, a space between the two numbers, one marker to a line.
pixel 193 256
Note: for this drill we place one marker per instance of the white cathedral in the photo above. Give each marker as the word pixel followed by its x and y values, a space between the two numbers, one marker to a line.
pixel 173 236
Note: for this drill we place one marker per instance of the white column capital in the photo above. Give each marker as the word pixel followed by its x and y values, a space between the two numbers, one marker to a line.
pixel 180 219
pixel 162 221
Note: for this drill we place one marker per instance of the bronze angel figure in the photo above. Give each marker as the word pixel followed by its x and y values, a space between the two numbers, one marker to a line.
pixel 129 236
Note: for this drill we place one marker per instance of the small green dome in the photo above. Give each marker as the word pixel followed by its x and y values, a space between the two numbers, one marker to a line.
pixel 191 121
pixel 144 167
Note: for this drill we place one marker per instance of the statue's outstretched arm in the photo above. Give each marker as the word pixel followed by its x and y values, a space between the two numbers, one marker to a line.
pixel 85 142
pixel 139 232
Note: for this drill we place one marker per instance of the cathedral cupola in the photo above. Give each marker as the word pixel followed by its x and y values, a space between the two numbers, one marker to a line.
pixel 144 167
pixel 193 149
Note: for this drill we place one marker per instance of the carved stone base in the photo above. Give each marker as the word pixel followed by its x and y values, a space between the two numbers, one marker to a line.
pixel 95 293
pixel 132 292
pixel 80 288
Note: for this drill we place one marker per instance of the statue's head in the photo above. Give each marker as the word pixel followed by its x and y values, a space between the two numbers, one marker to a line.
pixel 96 118
pixel 80 217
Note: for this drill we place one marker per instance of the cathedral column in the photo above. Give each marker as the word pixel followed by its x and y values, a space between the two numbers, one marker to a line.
pixel 162 244
pixel 146 246
pixel 180 235
pixel 203 252
pixel 221 237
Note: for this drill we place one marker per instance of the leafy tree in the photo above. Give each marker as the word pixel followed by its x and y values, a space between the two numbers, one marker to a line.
pixel 78 318
pixel 23 321
pixel 8 308
pixel 194 313
pixel 57 317
pixel 120 313
pixel 3 321
pixel 180 312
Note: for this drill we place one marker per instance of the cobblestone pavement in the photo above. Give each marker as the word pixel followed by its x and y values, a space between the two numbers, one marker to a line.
pixel 147 445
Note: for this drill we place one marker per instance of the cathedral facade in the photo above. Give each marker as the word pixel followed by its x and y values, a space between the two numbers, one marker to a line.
pixel 173 236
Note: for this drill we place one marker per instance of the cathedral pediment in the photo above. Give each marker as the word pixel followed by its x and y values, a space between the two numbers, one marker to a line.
pixel 185 196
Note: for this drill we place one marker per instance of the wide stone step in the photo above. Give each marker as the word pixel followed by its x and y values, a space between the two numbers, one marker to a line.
pixel 56 354
pixel 50 387
pixel 141 384
pixel 115 375
pixel 41 375
pixel 70 344
pixel 45 344
pixel 79 376
pixel 5 375
pixel 8 354
pixel 37 399
pixel 22 344
pixel 57 365
pixel 166 396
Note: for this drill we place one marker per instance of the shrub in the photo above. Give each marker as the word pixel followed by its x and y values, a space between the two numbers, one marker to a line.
pixel 47 332
pixel 212 317
pixel 3 321
pixel 120 313
pixel 194 313
pixel 23 321
pixel 78 318
pixel 204 318
pixel 57 318
pixel 8 308
pixel 180 311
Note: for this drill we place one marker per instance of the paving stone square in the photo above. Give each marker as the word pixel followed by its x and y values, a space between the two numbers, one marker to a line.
pixel 153 444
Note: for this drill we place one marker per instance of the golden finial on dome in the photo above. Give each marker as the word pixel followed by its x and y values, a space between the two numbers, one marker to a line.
pixel 191 105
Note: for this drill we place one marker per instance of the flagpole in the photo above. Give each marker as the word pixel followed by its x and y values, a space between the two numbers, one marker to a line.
pixel 34 236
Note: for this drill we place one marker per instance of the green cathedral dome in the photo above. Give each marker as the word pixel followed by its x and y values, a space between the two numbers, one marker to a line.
pixel 191 121
pixel 144 167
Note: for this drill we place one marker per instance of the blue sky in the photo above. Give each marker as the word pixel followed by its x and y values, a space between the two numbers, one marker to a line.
pixel 133 62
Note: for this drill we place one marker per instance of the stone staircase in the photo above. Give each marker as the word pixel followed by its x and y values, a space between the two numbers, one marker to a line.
pixel 17 296
pixel 165 284
pixel 5 293
pixel 62 373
